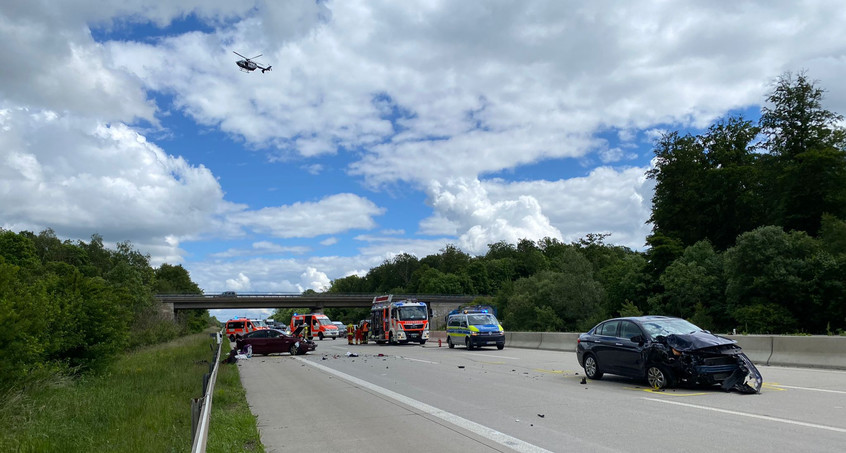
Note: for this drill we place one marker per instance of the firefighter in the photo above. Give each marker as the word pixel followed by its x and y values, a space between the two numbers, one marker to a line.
pixel 364 332
pixel 350 333
pixel 358 334
pixel 305 332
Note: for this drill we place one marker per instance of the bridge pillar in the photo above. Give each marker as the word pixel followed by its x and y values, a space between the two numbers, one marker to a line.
pixel 166 311
pixel 439 312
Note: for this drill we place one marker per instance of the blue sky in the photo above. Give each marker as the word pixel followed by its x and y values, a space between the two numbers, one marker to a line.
pixel 384 127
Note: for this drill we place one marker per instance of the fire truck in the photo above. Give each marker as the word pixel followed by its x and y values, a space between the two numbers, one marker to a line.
pixel 398 321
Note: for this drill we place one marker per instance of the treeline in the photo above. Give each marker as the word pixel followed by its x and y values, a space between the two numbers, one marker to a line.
pixel 73 306
pixel 748 234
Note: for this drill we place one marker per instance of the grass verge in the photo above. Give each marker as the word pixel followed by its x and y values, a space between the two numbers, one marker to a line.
pixel 140 403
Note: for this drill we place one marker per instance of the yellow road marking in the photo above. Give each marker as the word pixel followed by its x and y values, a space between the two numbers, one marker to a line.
pixel 772 386
pixel 548 371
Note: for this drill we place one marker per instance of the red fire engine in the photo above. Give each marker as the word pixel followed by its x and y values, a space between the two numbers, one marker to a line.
pixel 398 322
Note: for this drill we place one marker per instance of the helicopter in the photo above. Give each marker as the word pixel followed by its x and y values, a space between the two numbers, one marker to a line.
pixel 248 65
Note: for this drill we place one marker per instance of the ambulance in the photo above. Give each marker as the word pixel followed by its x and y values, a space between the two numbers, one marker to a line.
pixel 320 326
pixel 235 328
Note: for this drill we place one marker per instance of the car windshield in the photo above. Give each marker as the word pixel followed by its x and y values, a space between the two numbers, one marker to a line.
pixel 481 320
pixel 412 313
pixel 259 323
pixel 324 321
pixel 666 327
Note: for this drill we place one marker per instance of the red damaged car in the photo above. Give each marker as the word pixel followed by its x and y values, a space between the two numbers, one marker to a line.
pixel 269 341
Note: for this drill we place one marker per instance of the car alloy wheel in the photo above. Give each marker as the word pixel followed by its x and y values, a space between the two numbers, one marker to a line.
pixel 592 368
pixel 294 349
pixel 657 378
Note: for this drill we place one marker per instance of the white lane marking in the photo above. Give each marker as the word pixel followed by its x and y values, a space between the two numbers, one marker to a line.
pixel 490 355
pixel 417 360
pixel 481 430
pixel 810 389
pixel 746 414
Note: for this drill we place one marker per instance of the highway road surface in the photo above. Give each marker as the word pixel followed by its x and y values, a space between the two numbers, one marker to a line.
pixel 426 398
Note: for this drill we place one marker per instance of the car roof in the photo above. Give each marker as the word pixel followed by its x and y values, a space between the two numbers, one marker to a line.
pixel 643 318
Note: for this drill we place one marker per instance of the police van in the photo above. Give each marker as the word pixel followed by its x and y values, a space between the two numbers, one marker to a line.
pixel 474 329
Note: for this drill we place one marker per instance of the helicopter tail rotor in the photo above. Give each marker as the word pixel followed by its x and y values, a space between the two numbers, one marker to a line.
pixel 266 69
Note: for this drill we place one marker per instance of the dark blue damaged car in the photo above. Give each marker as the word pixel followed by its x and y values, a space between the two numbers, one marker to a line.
pixel 666 352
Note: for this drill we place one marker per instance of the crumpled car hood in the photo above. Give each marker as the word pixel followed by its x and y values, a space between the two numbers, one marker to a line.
pixel 707 354
pixel 696 340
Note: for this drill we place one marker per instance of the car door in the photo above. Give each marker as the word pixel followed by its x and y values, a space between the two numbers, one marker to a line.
pixel 625 353
pixel 276 342
pixel 258 339
pixel 604 338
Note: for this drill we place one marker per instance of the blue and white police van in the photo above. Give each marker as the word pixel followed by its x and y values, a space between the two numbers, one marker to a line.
pixel 474 329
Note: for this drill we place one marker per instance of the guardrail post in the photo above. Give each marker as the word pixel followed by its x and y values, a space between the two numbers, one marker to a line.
pixel 196 409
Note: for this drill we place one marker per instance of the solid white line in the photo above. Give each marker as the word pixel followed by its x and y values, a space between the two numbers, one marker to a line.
pixel 490 355
pixel 810 389
pixel 745 414
pixel 481 430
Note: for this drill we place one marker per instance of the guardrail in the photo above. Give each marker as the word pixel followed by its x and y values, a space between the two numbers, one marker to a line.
pixel 813 351
pixel 201 407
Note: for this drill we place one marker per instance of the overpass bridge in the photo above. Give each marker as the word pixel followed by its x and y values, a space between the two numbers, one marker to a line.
pixel 441 304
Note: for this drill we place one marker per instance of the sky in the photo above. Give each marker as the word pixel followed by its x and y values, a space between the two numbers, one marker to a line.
pixel 383 128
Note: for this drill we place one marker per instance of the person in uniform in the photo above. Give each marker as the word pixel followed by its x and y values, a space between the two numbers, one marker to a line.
pixel 364 332
pixel 350 333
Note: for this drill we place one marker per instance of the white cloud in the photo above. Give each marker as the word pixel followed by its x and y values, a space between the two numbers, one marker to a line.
pixel 606 201
pixel 240 283
pixel 484 221
pixel 82 177
pixel 330 215
pixel 314 279
pixel 262 248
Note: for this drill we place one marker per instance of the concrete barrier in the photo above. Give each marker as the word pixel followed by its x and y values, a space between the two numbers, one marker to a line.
pixel 528 340
pixel 559 341
pixel 759 348
pixel 810 351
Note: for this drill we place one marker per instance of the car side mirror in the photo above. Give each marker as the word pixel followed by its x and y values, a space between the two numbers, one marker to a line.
pixel 638 339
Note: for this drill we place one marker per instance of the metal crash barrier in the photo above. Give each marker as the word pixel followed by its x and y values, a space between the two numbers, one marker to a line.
pixel 201 407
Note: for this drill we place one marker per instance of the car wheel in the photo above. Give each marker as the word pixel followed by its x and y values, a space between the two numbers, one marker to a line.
pixel 450 343
pixel 592 367
pixel 658 377
pixel 422 342
pixel 231 337
pixel 467 343
pixel 391 339
pixel 294 349
pixel 500 346
pixel 320 336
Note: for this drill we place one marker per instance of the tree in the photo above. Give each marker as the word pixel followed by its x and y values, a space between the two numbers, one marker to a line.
pixel 808 161
pixel 692 282
pixel 679 174
pixel 174 280
pixel 770 274
pixel 571 295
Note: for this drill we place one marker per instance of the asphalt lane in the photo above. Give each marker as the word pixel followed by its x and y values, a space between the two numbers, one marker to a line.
pixel 414 397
